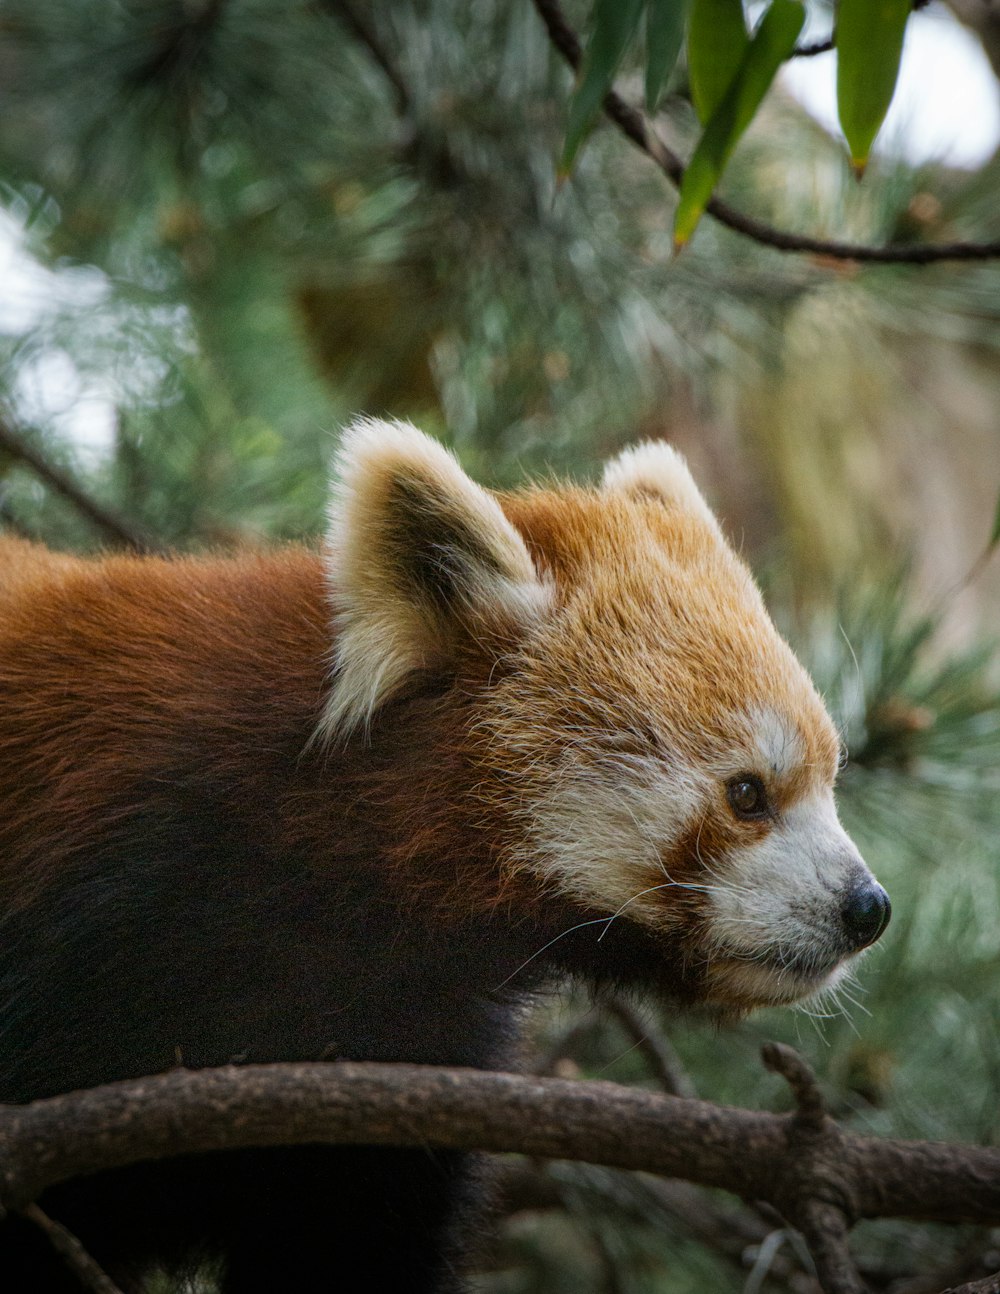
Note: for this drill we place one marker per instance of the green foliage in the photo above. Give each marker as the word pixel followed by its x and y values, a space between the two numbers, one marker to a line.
pixel 729 74
pixel 869 48
pixel 615 22
pixel 717 41
pixel 665 24
pixel 768 48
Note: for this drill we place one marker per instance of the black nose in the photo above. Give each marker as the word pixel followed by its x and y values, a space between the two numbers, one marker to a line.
pixel 866 913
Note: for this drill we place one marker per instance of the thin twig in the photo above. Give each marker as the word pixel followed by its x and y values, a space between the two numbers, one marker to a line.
pixel 825 46
pixel 115 527
pixel 817 47
pixel 362 30
pixel 90 1275
pixel 655 1048
pixel 634 125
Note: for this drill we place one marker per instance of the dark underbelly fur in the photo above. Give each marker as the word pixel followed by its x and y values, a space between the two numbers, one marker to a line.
pixel 312 1218
pixel 201 955
pixel 210 978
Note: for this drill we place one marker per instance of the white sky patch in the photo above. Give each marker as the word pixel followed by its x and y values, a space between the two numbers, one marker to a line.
pixel 29 290
pixel 50 389
pixel 947 102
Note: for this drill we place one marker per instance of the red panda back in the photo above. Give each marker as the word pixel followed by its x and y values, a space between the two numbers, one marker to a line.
pixel 25 566
pixel 108 665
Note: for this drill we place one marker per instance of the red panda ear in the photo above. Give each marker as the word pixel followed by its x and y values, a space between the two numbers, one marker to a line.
pixel 419 556
pixel 656 470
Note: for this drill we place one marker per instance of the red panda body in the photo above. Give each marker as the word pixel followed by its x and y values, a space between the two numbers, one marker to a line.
pixel 523 765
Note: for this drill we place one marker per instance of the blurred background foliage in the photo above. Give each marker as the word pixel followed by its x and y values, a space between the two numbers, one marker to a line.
pixel 230 224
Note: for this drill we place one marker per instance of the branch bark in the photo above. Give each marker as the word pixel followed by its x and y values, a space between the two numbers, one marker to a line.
pixel 988 1285
pixel 755 1155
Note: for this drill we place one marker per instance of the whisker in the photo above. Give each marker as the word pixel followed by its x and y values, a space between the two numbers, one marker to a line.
pixel 666 885
pixel 596 921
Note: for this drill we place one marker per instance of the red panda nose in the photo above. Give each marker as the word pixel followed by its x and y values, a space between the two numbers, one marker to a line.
pixel 866 913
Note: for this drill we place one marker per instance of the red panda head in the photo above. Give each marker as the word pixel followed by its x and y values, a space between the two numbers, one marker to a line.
pixel 645 745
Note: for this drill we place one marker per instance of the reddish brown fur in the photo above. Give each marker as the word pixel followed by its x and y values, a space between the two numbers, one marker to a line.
pixel 644 572
pixel 110 669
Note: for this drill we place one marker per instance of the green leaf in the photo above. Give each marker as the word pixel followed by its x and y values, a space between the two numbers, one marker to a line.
pixel 665 22
pixel 771 44
pixel 717 41
pixel 869 47
pixel 615 22
pixel 995 532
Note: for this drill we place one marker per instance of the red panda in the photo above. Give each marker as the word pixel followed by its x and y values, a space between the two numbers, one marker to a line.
pixel 362 803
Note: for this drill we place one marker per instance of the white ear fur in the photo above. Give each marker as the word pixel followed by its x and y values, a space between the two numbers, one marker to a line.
pixel 655 469
pixel 417 553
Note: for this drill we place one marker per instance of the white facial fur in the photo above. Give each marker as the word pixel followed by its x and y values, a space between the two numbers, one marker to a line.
pixel 605 829
pixel 776 743
pixel 777 902
pixel 600 830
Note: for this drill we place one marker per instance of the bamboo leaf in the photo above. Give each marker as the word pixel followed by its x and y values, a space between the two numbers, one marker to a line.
pixel 615 22
pixel 717 41
pixel 869 48
pixel 665 21
pixel 771 44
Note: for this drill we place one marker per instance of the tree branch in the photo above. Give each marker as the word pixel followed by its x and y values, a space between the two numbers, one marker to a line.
pixel 825 1230
pixel 817 47
pixel 754 1155
pixel 115 527
pixel 90 1275
pixel 988 1285
pixel 655 1048
pixel 825 46
pixel 799 1076
pixel 634 125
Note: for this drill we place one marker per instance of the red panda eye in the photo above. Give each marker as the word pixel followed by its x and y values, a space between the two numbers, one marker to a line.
pixel 747 797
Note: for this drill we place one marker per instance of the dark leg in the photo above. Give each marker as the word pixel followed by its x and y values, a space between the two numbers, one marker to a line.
pixel 336 1222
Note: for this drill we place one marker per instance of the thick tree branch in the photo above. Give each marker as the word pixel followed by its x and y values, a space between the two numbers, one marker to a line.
pixel 754 1155
pixel 114 527
pixel 634 125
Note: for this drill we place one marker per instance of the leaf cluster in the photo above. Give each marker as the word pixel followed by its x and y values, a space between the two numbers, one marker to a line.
pixel 730 71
